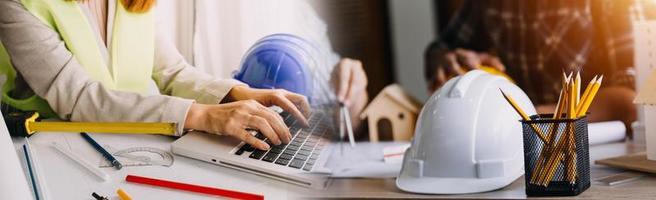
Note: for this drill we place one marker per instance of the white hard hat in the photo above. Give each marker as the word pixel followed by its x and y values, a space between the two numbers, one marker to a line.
pixel 467 139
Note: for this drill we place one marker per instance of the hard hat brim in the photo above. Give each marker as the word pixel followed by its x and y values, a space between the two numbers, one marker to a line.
pixel 440 185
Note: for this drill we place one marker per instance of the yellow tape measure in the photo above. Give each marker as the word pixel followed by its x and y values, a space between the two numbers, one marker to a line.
pixel 495 71
pixel 491 70
pixel 26 123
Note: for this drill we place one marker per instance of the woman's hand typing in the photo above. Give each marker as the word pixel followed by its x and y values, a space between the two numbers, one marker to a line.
pixel 248 110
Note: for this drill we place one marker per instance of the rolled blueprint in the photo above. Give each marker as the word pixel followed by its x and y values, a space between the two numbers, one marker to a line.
pixel 606 132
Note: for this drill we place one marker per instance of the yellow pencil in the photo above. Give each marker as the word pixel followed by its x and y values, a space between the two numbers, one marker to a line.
pixel 521 113
pixel 588 100
pixel 546 157
pixel 554 159
pixel 563 150
pixel 562 102
pixel 569 77
pixel 550 147
pixel 515 106
pixel 566 87
pixel 559 149
pixel 580 111
pixel 561 98
pixel 586 92
pixel 123 195
pixel 577 88
pixel 571 112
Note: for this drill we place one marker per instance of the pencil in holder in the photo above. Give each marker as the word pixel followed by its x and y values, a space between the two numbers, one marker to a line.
pixel 556 157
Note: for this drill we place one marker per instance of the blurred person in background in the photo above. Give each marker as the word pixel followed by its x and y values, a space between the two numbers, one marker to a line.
pixel 534 42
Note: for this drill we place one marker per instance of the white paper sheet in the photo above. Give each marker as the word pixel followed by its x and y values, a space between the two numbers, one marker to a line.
pixel 13 182
pixel 394 154
pixel 365 160
pixel 606 132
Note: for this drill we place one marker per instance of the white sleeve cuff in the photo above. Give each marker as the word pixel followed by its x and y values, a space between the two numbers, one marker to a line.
pixel 216 90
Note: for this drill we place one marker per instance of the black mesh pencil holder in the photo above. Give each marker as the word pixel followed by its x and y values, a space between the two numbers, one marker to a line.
pixel 556 157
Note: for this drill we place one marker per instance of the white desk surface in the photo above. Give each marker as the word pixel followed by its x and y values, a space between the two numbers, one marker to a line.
pixel 66 180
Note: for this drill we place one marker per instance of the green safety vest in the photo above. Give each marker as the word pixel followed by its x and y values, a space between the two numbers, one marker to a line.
pixel 131 54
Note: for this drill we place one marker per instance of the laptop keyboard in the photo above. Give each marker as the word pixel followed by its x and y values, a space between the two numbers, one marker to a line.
pixel 301 152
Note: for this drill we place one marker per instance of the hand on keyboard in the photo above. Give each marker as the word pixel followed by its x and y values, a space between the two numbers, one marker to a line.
pixel 295 104
pixel 235 118
pixel 248 111
pixel 301 152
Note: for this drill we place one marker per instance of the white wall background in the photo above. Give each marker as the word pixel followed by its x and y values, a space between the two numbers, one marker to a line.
pixel 213 35
pixel 177 19
pixel 412 25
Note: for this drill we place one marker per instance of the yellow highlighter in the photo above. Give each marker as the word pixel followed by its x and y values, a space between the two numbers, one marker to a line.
pixel 27 123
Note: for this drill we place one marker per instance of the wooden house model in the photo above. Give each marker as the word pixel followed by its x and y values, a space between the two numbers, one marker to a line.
pixel 392 115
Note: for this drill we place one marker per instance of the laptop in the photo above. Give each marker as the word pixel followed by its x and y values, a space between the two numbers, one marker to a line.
pixel 301 162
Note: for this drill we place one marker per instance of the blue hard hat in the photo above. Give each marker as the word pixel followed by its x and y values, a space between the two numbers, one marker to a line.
pixel 279 61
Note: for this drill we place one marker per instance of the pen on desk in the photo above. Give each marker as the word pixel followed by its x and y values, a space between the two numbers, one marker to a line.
pixel 31 170
pixel 192 188
pixel 123 195
pixel 36 170
pixel 80 161
pixel 102 150
pixel 98 197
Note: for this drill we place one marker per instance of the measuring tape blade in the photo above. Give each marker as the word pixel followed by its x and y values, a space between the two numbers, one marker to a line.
pixel 104 127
